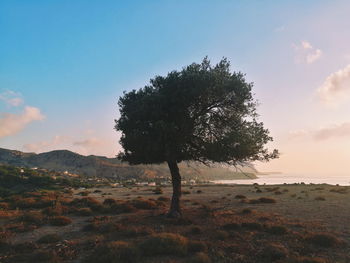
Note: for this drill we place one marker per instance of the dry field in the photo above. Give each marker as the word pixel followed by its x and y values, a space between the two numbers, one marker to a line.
pixel 221 223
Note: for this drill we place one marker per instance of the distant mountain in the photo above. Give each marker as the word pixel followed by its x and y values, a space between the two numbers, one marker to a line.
pixel 99 166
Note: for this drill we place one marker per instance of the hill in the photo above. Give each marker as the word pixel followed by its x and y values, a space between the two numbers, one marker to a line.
pixel 99 166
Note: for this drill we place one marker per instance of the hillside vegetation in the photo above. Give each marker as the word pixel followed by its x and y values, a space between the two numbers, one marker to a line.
pixel 98 166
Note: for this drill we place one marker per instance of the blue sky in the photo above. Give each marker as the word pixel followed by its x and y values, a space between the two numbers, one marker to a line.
pixel 71 60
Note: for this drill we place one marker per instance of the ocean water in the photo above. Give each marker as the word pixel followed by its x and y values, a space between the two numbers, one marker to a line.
pixel 343 179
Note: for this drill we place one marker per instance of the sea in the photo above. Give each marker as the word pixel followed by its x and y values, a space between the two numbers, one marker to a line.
pixel 282 178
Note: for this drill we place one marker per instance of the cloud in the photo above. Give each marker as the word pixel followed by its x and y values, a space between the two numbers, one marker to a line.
pixel 336 87
pixel 306 53
pixel 11 124
pixel 325 133
pixel 338 130
pixel 11 98
pixel 297 134
pixel 90 142
pixel 280 29
pixel 46 145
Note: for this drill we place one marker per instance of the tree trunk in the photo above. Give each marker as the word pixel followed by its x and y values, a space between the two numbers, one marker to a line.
pixel 175 211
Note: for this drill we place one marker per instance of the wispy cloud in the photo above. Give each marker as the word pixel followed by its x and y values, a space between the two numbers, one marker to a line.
pixel 11 98
pixel 90 142
pixel 297 134
pixel 280 29
pixel 324 133
pixel 336 87
pixel 11 124
pixel 334 131
pixel 43 146
pixel 306 53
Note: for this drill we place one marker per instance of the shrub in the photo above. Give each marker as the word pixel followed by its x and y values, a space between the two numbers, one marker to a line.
pixel 84 211
pixel 196 246
pixel 4 205
pixel 199 191
pixel 26 247
pixel 310 260
pixel 220 235
pixel 320 198
pixel 186 192
pixel 109 201
pixel 122 207
pixel 196 230
pixel 108 227
pixel 114 252
pixel 267 200
pixel 60 221
pixel 231 226
pixel 247 211
pixel 163 199
pixel 55 211
pixel 164 244
pixel 252 226
pixel 240 197
pixel 200 257
pixel 49 238
pixel 324 240
pixel 277 230
pixel 158 191
pixel 144 204
pixel 273 252
pixel 32 218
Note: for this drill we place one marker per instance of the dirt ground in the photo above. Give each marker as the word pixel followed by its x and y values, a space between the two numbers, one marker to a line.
pixel 299 211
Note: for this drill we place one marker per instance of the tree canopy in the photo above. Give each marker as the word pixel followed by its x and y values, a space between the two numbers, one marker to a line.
pixel 203 113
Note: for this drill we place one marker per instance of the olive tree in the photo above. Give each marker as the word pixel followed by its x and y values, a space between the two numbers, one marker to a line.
pixel 203 113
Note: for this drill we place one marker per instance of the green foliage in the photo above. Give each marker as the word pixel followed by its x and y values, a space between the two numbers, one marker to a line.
pixel 203 113
pixel 15 180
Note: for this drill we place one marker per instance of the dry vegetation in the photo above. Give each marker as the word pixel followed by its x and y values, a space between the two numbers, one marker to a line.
pixel 251 224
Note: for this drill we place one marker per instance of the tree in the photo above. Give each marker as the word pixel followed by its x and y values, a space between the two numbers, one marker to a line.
pixel 202 113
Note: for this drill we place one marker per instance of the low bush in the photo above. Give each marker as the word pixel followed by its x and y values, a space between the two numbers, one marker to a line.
pixel 163 199
pixel 84 211
pixel 231 226
pixel 324 240
pixel 200 257
pixel 49 238
pixel 252 226
pixel 32 218
pixel 114 252
pixel 277 230
pixel 158 191
pixel 267 200
pixel 240 197
pixel 273 252
pixel 320 198
pixel 164 244
pixel 144 204
pixel 60 221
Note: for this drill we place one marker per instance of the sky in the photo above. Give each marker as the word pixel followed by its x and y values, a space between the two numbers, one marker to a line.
pixel 64 64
